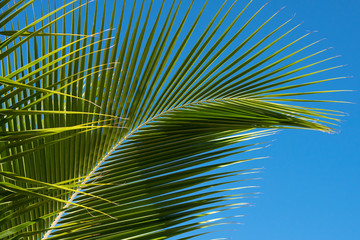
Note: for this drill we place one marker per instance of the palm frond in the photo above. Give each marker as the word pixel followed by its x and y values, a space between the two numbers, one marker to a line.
pixel 122 120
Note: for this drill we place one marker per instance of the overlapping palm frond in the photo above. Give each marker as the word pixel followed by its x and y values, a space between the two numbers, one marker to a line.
pixel 117 116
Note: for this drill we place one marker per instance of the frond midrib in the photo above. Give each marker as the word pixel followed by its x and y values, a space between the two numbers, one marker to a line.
pixel 74 195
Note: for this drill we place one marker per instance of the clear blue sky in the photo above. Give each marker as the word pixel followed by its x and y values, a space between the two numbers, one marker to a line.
pixel 311 184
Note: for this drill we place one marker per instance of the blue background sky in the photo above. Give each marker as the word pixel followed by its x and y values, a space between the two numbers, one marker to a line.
pixel 311 184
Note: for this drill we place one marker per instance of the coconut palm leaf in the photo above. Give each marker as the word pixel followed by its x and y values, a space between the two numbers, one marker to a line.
pixel 118 118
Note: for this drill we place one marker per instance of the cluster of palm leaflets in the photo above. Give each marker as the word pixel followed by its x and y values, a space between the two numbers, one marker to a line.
pixel 116 116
